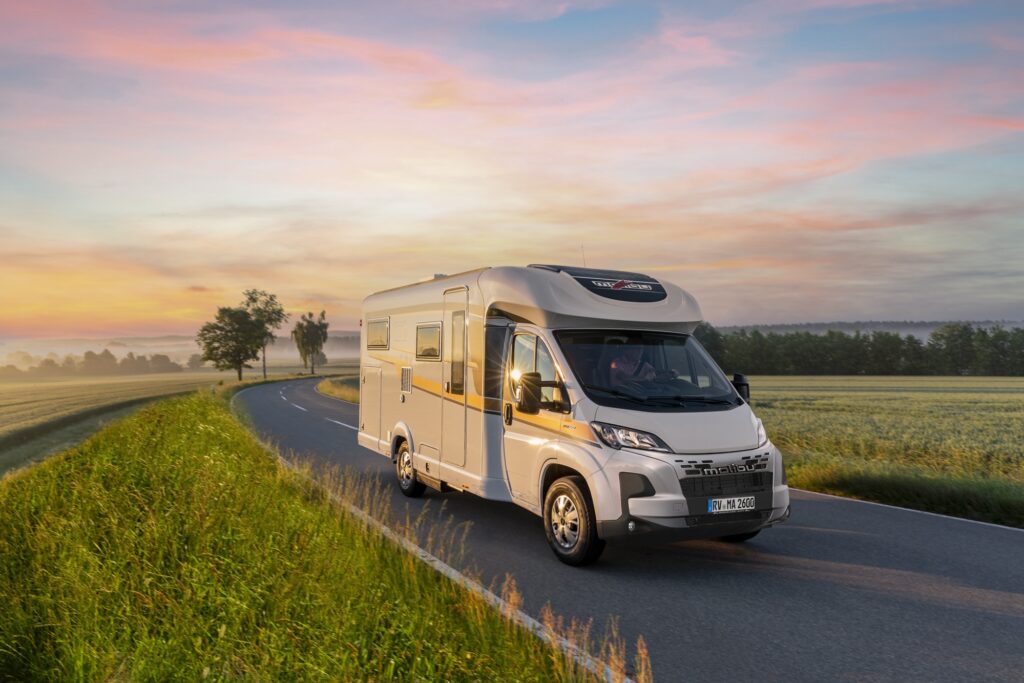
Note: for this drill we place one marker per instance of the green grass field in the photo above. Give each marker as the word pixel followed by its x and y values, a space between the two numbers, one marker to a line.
pixel 945 444
pixel 173 546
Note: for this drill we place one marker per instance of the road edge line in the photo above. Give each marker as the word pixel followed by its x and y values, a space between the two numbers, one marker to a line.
pixel 920 512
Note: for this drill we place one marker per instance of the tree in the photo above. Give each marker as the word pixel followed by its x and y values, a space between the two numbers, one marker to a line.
pixel 232 340
pixel 132 365
pixel 160 362
pixel 268 312
pixel 99 363
pixel 309 335
pixel 195 361
pixel 952 346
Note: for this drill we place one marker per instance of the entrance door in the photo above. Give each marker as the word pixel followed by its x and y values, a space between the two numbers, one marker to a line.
pixel 369 403
pixel 453 378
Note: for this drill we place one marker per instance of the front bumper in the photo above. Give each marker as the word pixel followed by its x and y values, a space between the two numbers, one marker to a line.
pixel 680 510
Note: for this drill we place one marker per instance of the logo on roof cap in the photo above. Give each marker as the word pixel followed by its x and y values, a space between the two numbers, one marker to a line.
pixel 622 284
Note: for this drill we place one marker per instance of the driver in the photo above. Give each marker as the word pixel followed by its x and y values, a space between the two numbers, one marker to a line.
pixel 629 366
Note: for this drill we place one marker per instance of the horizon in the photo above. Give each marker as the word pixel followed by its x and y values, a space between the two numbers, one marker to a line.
pixel 791 160
pixel 344 333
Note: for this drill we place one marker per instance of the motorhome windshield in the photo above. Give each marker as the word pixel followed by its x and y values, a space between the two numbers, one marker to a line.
pixel 640 370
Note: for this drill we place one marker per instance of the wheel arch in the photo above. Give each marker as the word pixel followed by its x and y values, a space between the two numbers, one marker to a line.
pixel 400 433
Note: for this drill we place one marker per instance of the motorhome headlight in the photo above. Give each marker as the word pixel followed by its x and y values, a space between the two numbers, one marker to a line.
pixel 762 435
pixel 624 437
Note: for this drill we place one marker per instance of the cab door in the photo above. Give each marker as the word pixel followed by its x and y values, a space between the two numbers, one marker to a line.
pixel 525 434
pixel 453 378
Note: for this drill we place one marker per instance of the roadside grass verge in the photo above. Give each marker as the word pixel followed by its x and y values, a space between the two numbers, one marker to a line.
pixel 345 388
pixel 173 546
pixel 942 444
pixel 987 500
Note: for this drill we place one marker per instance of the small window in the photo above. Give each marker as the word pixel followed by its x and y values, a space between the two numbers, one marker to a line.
pixel 377 334
pixel 428 341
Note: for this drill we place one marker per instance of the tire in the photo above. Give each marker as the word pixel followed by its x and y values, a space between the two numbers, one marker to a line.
pixel 569 522
pixel 739 538
pixel 408 484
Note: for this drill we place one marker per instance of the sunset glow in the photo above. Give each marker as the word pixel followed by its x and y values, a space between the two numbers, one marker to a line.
pixel 791 160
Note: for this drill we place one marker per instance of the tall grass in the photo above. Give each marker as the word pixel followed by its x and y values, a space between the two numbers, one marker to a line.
pixel 173 546
pixel 345 388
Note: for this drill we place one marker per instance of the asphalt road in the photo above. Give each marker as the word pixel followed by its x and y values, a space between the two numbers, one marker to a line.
pixel 843 591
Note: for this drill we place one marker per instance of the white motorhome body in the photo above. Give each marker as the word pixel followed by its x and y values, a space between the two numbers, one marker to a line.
pixel 579 394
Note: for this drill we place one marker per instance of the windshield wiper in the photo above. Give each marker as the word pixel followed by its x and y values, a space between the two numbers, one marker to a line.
pixel 618 392
pixel 707 400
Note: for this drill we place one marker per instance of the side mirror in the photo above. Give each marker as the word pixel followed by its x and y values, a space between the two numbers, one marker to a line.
pixel 528 394
pixel 742 386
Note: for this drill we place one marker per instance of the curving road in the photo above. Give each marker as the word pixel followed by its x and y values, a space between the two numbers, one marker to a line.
pixel 844 591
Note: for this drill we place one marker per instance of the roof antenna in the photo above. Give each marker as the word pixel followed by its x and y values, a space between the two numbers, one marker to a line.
pixel 584 252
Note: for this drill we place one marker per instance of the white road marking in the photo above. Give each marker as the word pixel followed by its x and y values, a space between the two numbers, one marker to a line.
pixel 299 407
pixel 282 397
pixel 355 429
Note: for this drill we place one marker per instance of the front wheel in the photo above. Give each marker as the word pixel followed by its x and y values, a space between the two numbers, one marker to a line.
pixel 569 522
pixel 408 484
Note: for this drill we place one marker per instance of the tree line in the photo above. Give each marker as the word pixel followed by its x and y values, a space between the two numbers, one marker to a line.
pixel 952 349
pixel 240 334
pixel 92 363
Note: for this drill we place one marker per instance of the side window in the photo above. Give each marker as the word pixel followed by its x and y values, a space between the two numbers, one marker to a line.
pixel 428 341
pixel 377 334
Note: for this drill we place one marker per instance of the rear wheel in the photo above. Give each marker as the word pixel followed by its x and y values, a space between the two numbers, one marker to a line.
pixel 569 522
pixel 739 538
pixel 408 484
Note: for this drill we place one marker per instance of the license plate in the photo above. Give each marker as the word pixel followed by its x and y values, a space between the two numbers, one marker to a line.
pixel 719 505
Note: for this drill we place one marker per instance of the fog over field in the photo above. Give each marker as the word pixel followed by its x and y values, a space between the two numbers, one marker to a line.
pixel 23 353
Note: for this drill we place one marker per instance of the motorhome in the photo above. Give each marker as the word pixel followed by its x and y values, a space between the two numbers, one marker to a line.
pixel 579 394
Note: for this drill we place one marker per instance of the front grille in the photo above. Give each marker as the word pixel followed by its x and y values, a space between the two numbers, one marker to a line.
pixel 726 484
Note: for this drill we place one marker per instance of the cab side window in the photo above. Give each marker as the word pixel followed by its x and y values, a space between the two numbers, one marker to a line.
pixel 524 353
pixel 546 368
pixel 530 354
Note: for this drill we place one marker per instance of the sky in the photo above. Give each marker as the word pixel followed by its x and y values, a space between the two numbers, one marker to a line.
pixel 784 160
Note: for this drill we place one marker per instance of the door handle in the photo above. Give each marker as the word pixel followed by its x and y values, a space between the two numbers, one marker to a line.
pixel 508 413
pixel 447 387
